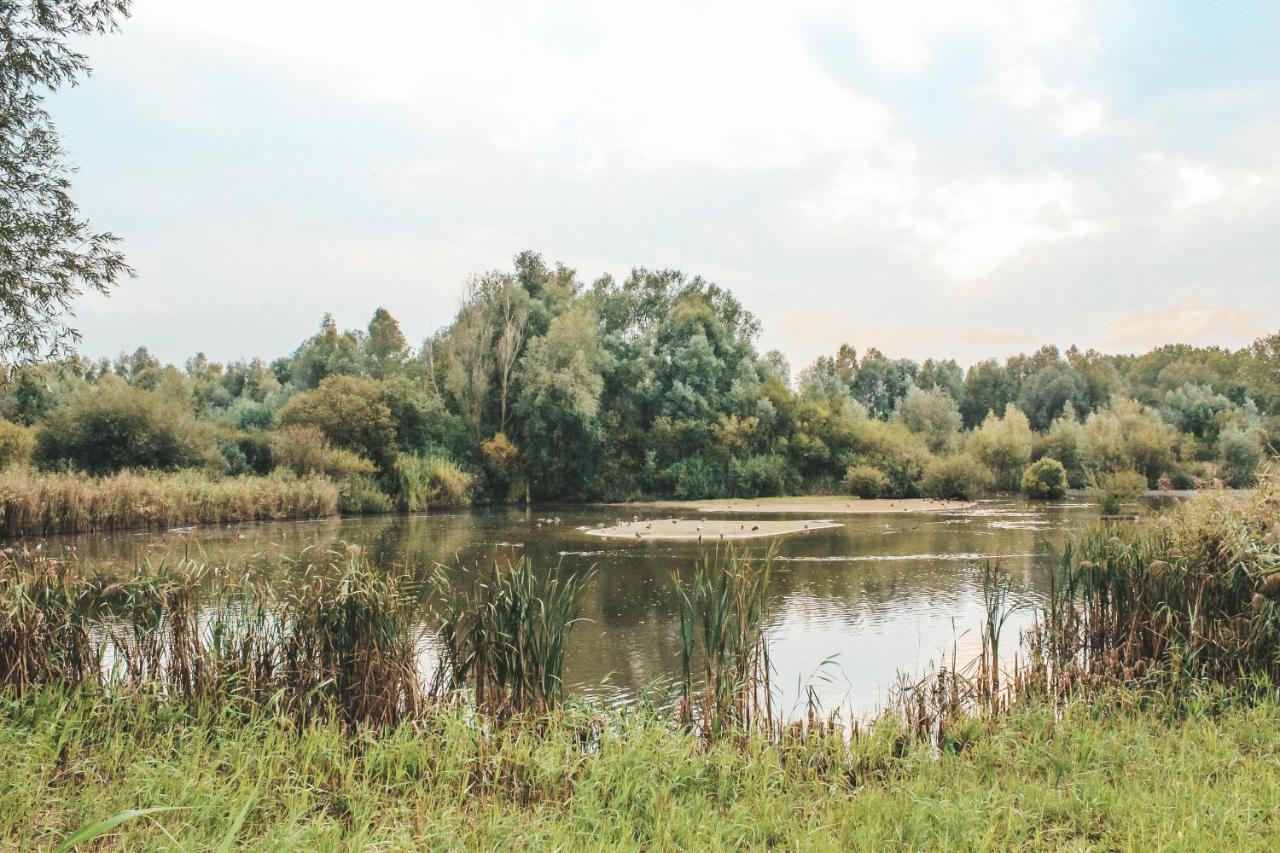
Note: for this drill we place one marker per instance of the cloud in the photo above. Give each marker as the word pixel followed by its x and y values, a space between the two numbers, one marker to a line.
pixel 1192 321
pixel 967 227
pixel 1068 109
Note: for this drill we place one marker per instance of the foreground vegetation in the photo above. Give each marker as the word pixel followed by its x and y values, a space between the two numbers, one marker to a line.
pixel 1113 773
pixel 545 387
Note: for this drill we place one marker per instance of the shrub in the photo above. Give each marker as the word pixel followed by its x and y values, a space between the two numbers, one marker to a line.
pixel 351 413
pixel 1045 479
pixel 865 481
pixel 113 427
pixel 764 475
pixel 304 450
pixel 1004 445
pixel 956 477
pixel 16 444
pixel 894 451
pixel 358 495
pixel 1182 480
pixel 424 482
pixel 1112 490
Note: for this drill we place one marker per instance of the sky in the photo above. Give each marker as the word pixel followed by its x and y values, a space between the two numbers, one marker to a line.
pixel 962 180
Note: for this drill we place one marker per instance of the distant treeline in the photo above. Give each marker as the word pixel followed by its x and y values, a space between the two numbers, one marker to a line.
pixel 545 387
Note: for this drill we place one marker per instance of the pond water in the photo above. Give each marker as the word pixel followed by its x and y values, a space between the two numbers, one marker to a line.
pixel 852 607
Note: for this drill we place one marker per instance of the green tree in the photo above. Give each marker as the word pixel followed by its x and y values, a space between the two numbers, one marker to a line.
pixel 933 415
pixel 385 349
pixel 560 381
pixel 49 254
pixel 1004 445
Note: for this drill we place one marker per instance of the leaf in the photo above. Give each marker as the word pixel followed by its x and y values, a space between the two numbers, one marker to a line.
pixel 91 831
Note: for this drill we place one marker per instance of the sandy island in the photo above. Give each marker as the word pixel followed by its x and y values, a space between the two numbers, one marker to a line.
pixel 708 530
pixel 806 504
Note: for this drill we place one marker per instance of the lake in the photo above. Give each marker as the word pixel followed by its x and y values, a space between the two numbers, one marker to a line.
pixel 852 607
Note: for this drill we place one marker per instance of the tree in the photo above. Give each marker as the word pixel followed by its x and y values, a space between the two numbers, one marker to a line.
pixel 987 389
pixel 1048 390
pixel 932 415
pixel 468 351
pixel 1004 445
pixel 513 313
pixel 558 402
pixel 49 254
pixel 385 349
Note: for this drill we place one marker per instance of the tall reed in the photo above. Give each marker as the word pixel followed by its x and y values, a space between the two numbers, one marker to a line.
pixel 502 632
pixel 723 615
pixel 1195 595
pixel 343 642
pixel 34 504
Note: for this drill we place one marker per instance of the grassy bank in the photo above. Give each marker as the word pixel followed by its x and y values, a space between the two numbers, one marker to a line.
pixel 1204 775
pixel 36 504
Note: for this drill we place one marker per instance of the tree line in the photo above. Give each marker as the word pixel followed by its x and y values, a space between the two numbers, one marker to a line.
pixel 544 387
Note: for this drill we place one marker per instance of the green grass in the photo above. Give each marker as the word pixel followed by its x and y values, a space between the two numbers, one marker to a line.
pixel 1200 778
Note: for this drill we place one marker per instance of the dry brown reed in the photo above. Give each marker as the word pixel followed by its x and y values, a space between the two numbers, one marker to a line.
pixel 36 504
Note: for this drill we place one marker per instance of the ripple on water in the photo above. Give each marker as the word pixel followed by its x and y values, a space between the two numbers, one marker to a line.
pixel 878 558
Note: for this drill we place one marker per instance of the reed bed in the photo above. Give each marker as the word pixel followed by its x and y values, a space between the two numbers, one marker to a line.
pixel 723 615
pixel 37 504
pixel 1194 596
pixel 342 642
pixel 502 633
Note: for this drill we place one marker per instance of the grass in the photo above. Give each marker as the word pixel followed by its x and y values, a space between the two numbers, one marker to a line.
pixel 1103 774
pixel 34 504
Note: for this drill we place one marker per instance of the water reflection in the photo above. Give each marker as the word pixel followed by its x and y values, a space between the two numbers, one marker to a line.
pixel 851 607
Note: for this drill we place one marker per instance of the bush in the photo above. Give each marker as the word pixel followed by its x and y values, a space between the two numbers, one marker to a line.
pixel 16 444
pixel 304 450
pixel 1115 489
pixel 1182 480
pixel 958 477
pixel 865 481
pixel 1004 445
pixel 764 475
pixel 1045 479
pixel 893 450
pixel 425 482
pixel 113 427
pixel 351 413
pixel 359 495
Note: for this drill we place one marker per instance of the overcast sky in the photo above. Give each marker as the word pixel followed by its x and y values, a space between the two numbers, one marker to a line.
pixel 963 179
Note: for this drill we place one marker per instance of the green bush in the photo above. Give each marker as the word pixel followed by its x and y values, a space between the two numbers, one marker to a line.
pixel 426 482
pixel 361 494
pixel 764 475
pixel 1113 490
pixel 1045 479
pixel 16 444
pixel 113 427
pixel 957 477
pixel 351 413
pixel 893 450
pixel 865 481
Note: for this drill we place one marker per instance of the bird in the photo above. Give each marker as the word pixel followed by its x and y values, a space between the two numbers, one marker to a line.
pixel 638 536
pixel 755 527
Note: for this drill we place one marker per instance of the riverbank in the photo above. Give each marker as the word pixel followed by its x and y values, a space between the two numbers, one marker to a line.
pixel 1108 774
pixel 804 505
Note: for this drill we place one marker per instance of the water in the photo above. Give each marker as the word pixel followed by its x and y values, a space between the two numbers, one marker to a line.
pixel 852 608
